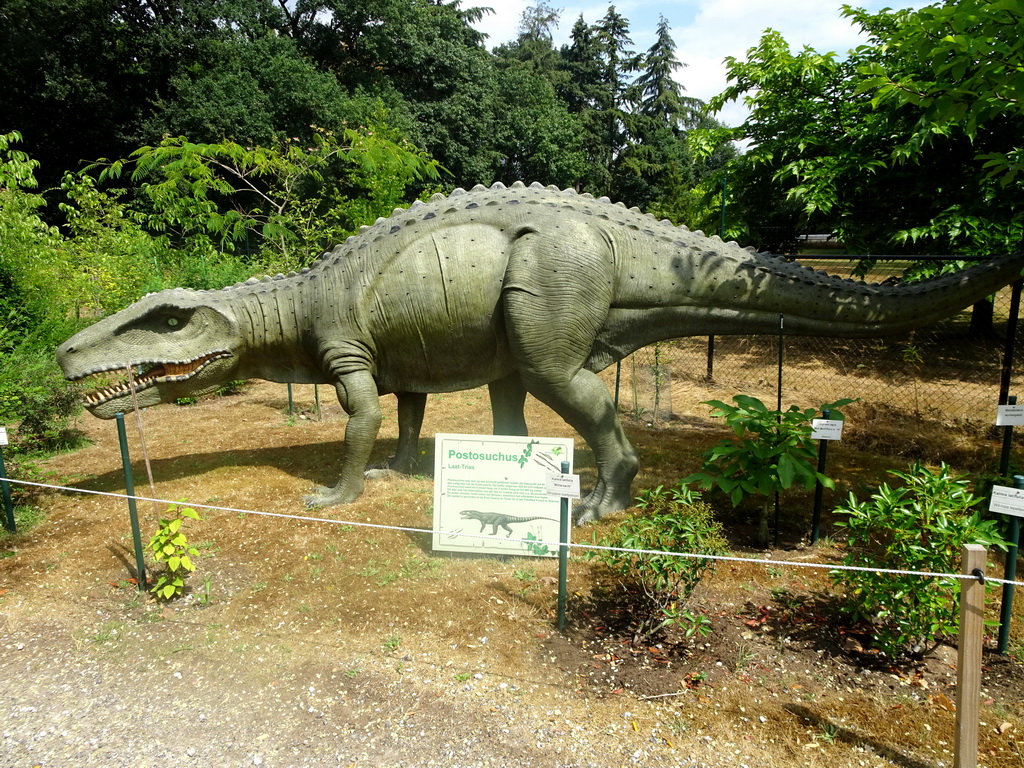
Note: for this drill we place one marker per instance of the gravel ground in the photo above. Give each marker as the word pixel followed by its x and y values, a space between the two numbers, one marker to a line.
pixel 132 699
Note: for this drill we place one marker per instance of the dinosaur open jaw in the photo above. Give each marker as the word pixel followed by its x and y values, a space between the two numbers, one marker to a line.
pixel 152 374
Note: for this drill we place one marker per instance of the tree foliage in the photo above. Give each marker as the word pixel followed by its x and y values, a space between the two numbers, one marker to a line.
pixel 912 140
pixel 970 79
pixel 594 115
pixel 293 199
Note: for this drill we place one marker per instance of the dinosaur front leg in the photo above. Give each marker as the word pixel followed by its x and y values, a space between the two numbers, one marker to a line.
pixel 357 393
pixel 508 396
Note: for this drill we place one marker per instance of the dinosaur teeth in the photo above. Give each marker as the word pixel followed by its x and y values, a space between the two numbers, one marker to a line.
pixel 156 372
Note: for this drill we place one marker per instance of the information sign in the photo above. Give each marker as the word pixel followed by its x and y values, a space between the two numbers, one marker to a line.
pixel 1010 416
pixel 1007 501
pixel 826 429
pixel 491 493
pixel 3 436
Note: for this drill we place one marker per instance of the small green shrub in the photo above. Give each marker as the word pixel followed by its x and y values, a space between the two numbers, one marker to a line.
pixel 771 451
pixel 920 526
pixel 169 547
pixel 19 467
pixel 234 387
pixel 33 393
pixel 25 498
pixel 673 520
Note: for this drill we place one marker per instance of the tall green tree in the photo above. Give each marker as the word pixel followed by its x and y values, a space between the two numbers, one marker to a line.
pixel 958 69
pixel 539 22
pixel 965 73
pixel 656 168
pixel 425 61
pixel 620 63
pixel 660 95
pixel 600 66
pixel 82 76
pixel 251 90
pixel 535 134
pixel 908 143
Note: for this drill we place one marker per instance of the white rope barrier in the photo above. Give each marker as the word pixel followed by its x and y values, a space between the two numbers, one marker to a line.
pixel 378 526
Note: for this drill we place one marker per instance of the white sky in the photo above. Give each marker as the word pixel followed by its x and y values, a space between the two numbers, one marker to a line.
pixel 705 31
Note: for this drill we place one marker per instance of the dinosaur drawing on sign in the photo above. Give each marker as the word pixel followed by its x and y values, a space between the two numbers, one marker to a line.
pixel 526 289
pixel 497 520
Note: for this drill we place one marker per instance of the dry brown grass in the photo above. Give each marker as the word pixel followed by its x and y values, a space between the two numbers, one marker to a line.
pixel 392 619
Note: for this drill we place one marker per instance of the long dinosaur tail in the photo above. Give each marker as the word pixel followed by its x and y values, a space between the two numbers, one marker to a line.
pixel 733 291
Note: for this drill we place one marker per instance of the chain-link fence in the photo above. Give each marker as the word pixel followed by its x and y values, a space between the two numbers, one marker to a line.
pixel 949 370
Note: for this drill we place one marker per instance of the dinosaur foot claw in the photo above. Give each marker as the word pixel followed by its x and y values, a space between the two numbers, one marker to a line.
pixel 377 473
pixel 598 504
pixel 395 465
pixel 326 497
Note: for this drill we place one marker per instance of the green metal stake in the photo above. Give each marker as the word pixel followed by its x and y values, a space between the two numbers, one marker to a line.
pixel 1004 456
pixel 819 489
pixel 133 513
pixel 1010 574
pixel 8 504
pixel 563 554
pixel 316 397
pixel 290 404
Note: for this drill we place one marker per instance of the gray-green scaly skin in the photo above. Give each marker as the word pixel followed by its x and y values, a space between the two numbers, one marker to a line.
pixel 523 288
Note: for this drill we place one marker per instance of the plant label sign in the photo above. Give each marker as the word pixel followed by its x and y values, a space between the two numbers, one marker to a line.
pixel 1010 416
pixel 1007 501
pixel 491 496
pixel 826 429
pixel 564 486
pixel 3 435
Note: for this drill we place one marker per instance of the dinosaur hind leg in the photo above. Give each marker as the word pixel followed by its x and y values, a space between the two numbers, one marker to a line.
pixel 583 401
pixel 556 300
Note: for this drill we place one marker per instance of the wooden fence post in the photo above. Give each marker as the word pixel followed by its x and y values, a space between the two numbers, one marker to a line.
pixel 968 667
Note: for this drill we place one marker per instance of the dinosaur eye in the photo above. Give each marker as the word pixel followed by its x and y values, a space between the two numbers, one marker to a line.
pixel 172 322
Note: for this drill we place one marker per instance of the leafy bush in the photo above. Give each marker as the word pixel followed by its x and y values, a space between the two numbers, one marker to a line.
pixel 25 498
pixel 33 390
pixel 286 202
pixel 920 526
pixel 772 451
pixel 674 520
pixel 169 546
pixel 29 247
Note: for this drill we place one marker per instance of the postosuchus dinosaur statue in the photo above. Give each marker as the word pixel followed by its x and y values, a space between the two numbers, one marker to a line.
pixel 524 288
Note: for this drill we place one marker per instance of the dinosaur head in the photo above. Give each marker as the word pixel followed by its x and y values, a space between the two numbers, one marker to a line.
pixel 176 343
